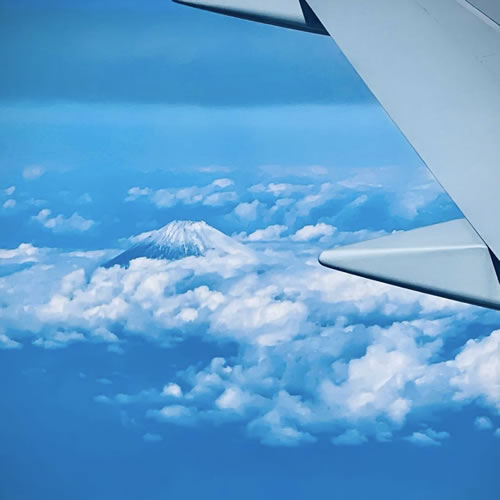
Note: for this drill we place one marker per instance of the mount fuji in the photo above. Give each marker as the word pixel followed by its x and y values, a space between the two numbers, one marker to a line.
pixel 176 240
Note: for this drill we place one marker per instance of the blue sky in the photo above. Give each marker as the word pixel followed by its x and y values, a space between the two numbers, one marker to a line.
pixel 259 375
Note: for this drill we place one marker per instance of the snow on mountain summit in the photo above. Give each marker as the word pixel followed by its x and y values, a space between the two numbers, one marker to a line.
pixel 176 240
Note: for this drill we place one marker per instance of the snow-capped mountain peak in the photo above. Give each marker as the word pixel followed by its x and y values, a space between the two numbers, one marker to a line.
pixel 193 238
pixel 176 240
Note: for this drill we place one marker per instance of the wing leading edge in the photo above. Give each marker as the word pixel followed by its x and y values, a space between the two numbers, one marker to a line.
pixel 434 65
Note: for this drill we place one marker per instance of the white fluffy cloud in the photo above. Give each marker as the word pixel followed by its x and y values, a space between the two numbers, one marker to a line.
pixel 59 223
pixel 483 424
pixel 428 437
pixel 311 232
pixel 270 233
pixel 478 369
pixel 25 252
pixel 136 192
pixel 281 190
pixel 220 199
pixel 247 211
pixel 8 343
pixel 172 390
pixel 59 339
pixel 351 437
pixel 177 414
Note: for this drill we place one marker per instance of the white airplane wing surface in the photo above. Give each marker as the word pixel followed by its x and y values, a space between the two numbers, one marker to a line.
pixel 434 65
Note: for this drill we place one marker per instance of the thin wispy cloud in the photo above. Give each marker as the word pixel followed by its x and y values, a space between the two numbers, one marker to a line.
pixel 60 223
pixel 9 203
pixel 214 194
pixel 33 172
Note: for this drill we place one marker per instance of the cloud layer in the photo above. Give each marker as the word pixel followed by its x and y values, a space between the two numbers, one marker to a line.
pixel 320 353
pixel 317 353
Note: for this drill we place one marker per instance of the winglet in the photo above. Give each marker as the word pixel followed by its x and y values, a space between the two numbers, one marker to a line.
pixel 448 260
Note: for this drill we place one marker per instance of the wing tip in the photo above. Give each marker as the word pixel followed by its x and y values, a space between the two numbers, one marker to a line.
pixel 447 260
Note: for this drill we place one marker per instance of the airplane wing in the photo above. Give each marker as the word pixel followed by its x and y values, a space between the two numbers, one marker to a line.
pixel 434 65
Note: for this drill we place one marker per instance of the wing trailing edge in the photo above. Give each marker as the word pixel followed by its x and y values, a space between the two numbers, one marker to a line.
pixel 293 14
pixel 448 260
